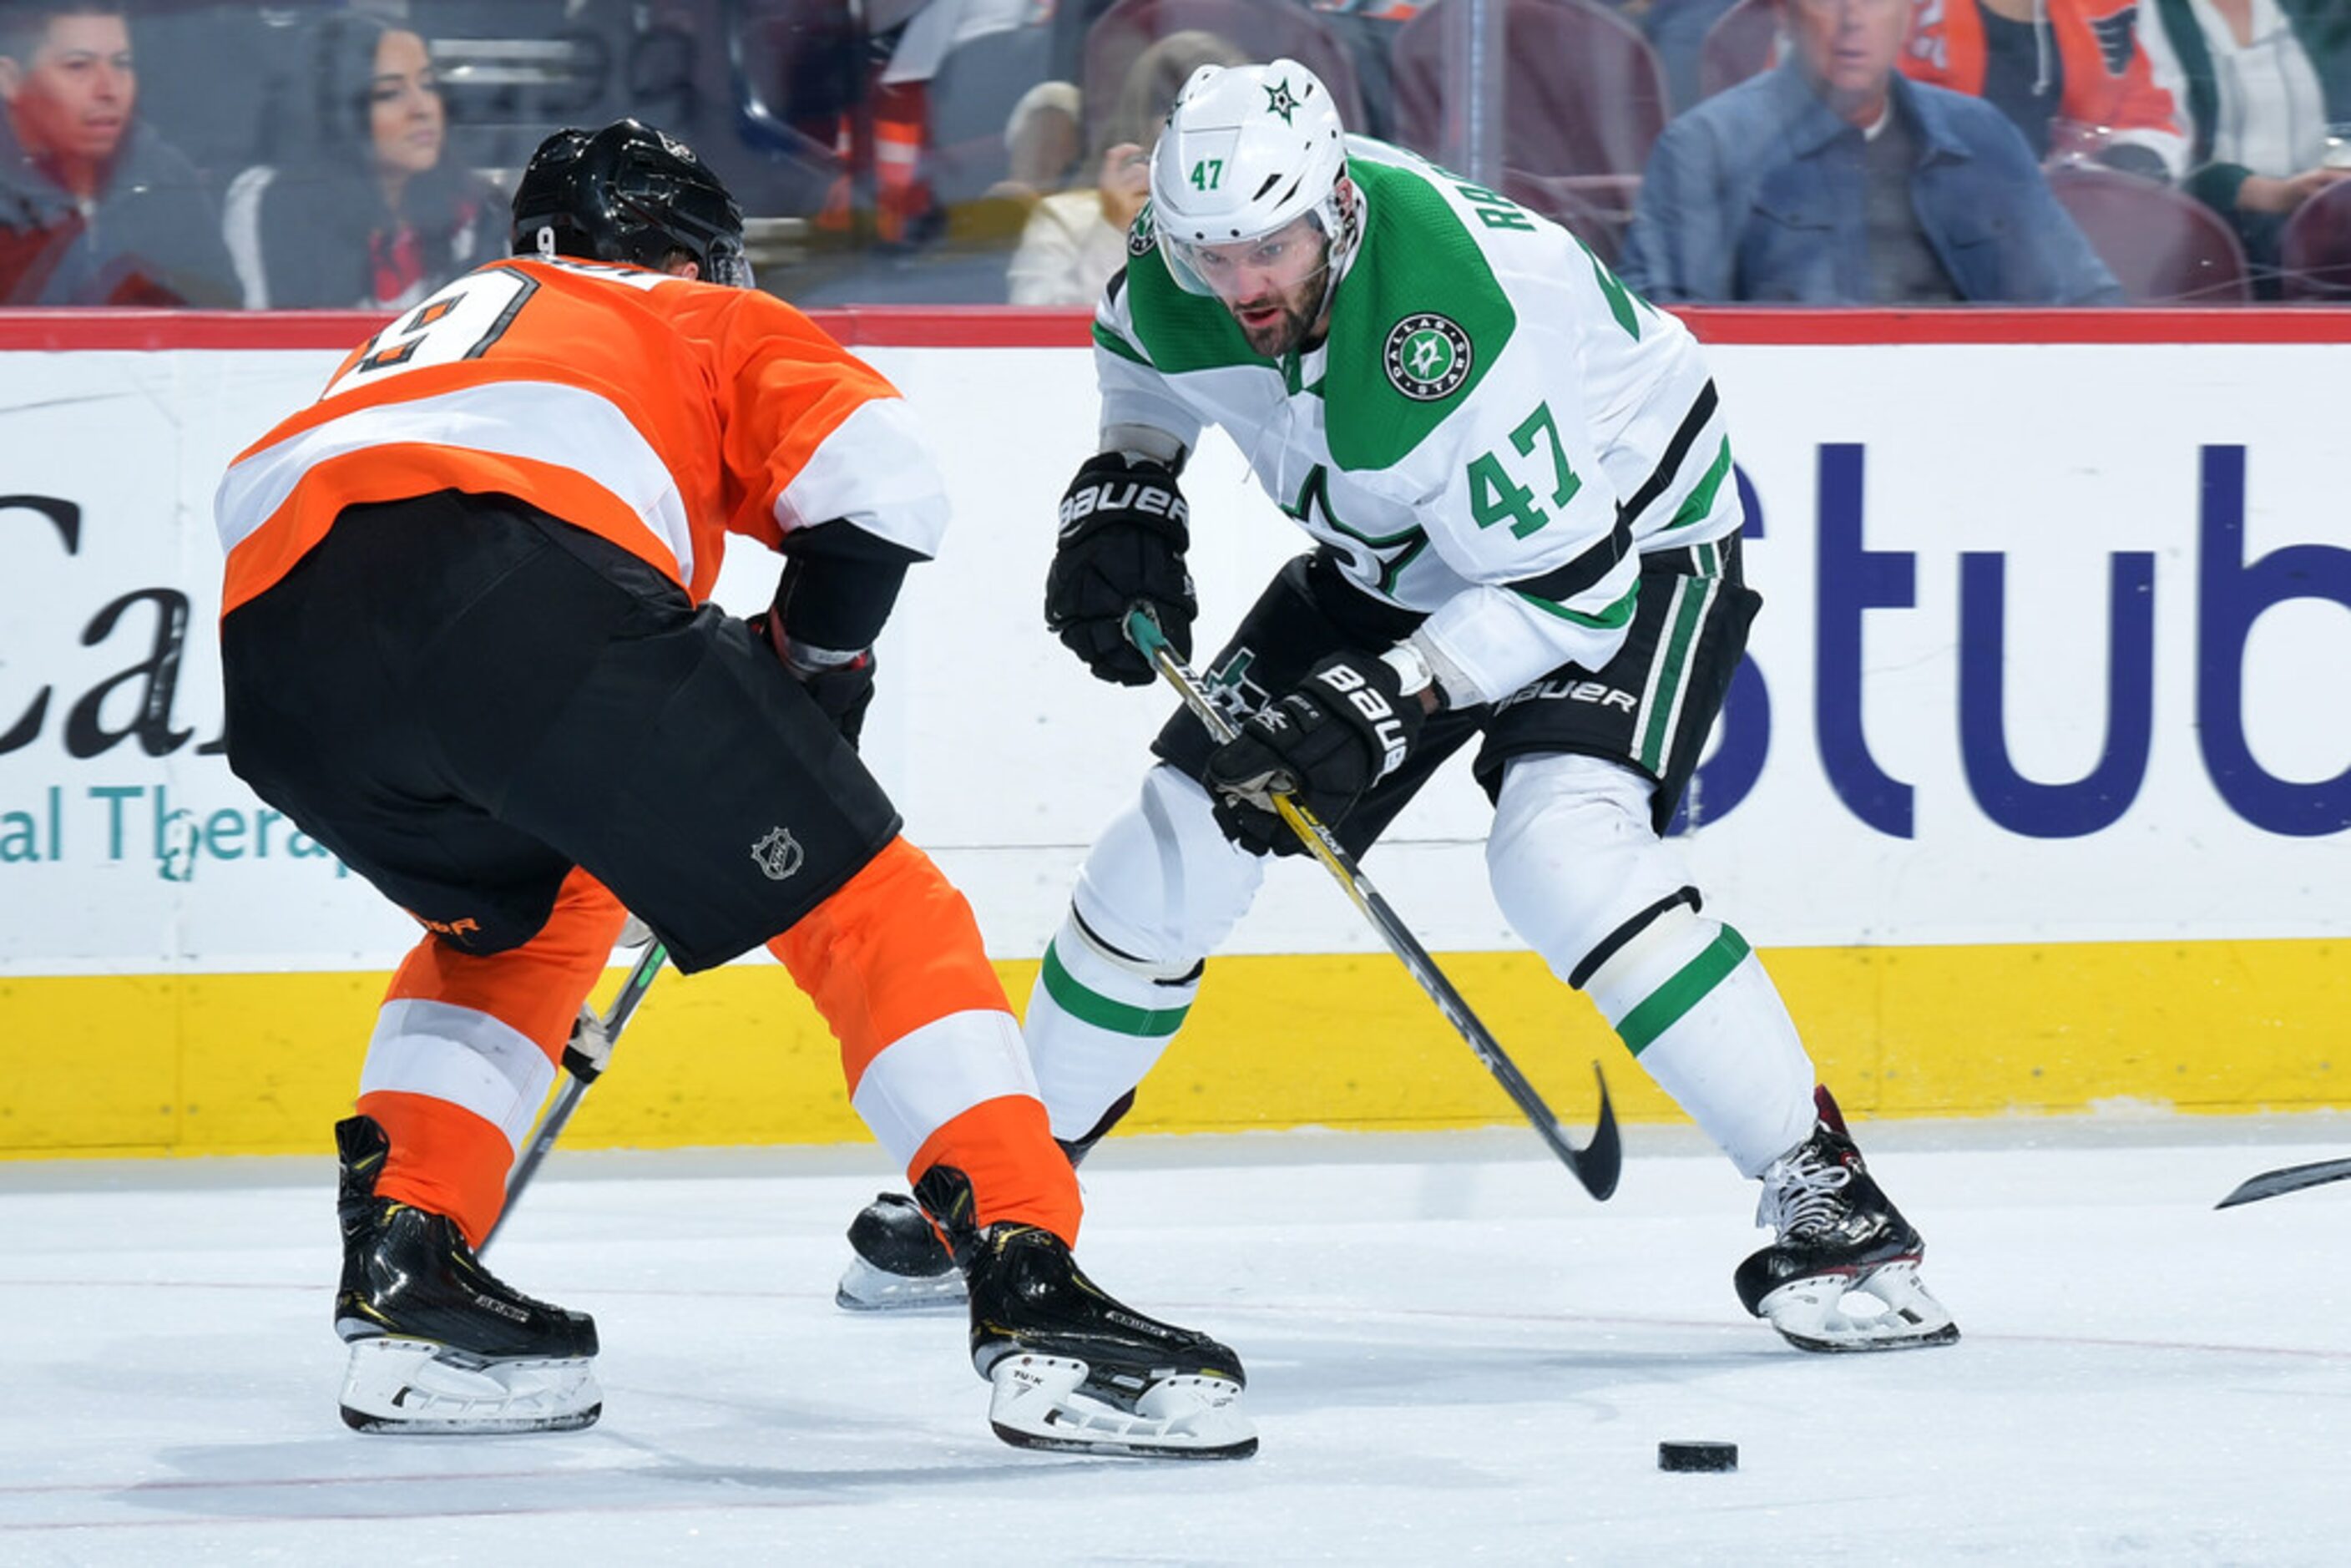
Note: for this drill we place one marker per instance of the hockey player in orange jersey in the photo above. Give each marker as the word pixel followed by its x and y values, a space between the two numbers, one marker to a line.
pixel 465 647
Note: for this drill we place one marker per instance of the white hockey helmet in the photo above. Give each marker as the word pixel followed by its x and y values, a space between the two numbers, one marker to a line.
pixel 1246 150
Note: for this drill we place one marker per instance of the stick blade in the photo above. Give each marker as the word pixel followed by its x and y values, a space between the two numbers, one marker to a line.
pixel 1603 1160
pixel 2291 1179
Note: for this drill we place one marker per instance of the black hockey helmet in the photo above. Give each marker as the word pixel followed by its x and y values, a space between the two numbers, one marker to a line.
pixel 628 192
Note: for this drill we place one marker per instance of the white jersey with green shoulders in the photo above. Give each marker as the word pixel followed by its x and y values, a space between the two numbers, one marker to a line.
pixel 1492 431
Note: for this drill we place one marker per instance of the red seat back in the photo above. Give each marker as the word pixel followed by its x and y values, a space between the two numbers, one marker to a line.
pixel 2163 245
pixel 2314 253
pixel 1583 92
pixel 1738 45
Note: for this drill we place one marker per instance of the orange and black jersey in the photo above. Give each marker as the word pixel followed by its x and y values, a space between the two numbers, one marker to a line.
pixel 660 413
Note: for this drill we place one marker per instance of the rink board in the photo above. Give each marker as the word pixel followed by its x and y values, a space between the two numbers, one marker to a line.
pixel 262 1063
pixel 2033 791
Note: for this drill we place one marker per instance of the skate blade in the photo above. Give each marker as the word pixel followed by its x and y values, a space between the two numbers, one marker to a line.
pixel 414 1386
pixel 1884 1308
pixel 1039 1403
pixel 866 1289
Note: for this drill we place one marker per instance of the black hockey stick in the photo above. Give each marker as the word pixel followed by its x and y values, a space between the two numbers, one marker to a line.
pixel 2291 1179
pixel 1598 1162
pixel 585 1058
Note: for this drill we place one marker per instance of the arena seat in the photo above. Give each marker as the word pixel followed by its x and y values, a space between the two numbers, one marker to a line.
pixel 2314 252
pixel 1738 45
pixel 1583 93
pixel 2163 245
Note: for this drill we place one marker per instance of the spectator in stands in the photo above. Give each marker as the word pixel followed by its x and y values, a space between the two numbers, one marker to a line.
pixel 371 213
pixel 1076 240
pixel 1041 142
pixel 2261 81
pixel 1677 29
pixel 2072 75
pixel 1833 180
pixel 94 208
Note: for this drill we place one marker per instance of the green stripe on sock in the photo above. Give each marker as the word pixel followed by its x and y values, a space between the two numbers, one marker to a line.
pixel 1664 1007
pixel 1092 1007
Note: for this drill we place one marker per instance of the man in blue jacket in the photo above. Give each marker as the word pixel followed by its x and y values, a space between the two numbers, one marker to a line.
pixel 94 209
pixel 1833 180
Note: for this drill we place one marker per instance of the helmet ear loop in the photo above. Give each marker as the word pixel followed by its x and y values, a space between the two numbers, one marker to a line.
pixel 729 266
pixel 1342 236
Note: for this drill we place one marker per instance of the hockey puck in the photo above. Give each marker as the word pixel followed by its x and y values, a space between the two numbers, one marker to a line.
pixel 1698 1456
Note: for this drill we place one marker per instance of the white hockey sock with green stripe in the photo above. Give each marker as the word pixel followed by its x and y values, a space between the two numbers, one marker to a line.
pixel 1097 1022
pixel 1696 1008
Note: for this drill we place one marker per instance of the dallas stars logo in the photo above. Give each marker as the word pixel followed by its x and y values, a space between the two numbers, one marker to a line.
pixel 1280 100
pixel 1232 691
pixel 1428 357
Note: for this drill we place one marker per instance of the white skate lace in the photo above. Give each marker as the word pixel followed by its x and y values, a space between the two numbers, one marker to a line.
pixel 1800 1194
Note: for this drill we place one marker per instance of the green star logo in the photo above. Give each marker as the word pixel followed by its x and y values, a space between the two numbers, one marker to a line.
pixel 1427 356
pixel 1280 100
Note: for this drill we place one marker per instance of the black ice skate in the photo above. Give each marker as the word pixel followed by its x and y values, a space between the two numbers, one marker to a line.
pixel 440 1344
pixel 897 1262
pixel 1843 1274
pixel 1074 1368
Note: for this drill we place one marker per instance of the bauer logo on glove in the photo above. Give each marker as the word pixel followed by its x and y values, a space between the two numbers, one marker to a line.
pixel 1135 496
pixel 1387 727
pixel 1121 544
pixel 1340 731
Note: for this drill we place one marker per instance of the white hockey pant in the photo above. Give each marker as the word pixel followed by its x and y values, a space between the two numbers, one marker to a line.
pixel 1160 889
pixel 1577 870
pixel 1584 881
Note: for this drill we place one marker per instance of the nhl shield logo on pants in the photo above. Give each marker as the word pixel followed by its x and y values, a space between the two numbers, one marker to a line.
pixel 779 855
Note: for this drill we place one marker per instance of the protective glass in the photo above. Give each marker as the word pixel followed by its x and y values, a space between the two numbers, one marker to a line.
pixel 1200 269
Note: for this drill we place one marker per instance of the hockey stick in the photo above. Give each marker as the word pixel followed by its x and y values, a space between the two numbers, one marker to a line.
pixel 1599 1161
pixel 585 1058
pixel 2291 1179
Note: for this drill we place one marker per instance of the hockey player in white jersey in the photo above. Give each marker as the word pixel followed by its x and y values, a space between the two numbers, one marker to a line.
pixel 1517 478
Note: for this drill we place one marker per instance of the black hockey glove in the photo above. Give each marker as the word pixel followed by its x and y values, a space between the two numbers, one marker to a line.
pixel 1342 729
pixel 844 692
pixel 841 692
pixel 1122 544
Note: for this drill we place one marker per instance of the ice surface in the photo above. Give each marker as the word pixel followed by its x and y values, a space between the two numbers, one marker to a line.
pixel 1453 1356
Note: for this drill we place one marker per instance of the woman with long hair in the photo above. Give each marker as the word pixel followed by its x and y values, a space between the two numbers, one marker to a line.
pixel 371 211
pixel 1076 239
